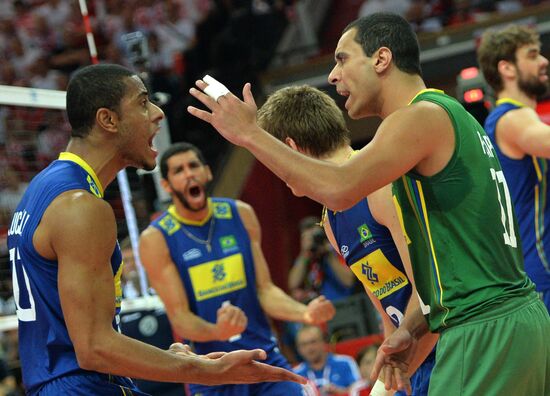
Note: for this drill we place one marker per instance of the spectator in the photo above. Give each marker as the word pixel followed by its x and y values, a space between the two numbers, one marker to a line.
pixel 365 359
pixel 317 269
pixel 332 374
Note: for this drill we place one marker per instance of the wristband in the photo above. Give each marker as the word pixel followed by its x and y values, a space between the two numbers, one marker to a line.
pixel 379 389
pixel 215 89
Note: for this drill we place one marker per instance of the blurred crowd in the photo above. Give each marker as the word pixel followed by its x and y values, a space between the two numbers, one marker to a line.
pixel 434 15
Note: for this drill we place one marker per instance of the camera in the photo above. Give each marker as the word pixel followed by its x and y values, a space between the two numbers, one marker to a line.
pixel 318 241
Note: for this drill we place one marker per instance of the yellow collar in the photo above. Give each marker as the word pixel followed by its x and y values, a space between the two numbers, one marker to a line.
pixel 174 213
pixel 66 156
pixel 510 100
pixel 424 91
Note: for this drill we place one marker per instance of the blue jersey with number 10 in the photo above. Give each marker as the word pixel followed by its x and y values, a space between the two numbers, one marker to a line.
pixel 45 348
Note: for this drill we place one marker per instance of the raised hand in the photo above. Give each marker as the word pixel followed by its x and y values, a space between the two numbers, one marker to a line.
pixel 319 311
pixel 233 118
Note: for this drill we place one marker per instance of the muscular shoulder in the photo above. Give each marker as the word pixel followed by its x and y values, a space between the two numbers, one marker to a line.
pixel 249 219
pixel 75 217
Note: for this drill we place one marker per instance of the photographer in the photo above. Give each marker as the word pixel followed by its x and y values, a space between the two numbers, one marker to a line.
pixel 317 269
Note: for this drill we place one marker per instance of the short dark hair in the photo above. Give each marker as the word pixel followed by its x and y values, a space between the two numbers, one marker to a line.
pixel 92 88
pixel 307 115
pixel 176 148
pixel 497 45
pixel 389 30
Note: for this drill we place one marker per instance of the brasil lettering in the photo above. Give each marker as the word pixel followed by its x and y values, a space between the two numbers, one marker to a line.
pixel 387 287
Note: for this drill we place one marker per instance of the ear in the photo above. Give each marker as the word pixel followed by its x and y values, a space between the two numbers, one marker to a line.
pixel 506 69
pixel 107 119
pixel 382 59
pixel 209 173
pixel 165 185
pixel 292 144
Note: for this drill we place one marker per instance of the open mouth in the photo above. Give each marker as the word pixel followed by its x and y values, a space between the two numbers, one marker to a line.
pixel 195 191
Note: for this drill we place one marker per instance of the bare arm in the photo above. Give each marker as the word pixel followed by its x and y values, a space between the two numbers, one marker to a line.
pixel 419 136
pixel 384 211
pixel 275 302
pixel 166 280
pixel 520 132
pixel 79 231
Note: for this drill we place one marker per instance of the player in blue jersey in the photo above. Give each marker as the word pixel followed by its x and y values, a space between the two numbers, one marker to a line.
pixel 367 235
pixel 516 70
pixel 204 258
pixel 67 263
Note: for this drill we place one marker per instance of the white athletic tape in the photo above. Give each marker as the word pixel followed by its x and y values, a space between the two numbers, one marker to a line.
pixel 215 89
pixel 379 389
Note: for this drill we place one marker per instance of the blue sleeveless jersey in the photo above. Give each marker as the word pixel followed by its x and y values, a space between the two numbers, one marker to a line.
pixel 369 250
pixel 527 180
pixel 226 273
pixel 45 349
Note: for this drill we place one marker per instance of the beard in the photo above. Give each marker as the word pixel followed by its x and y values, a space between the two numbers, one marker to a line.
pixel 181 197
pixel 532 86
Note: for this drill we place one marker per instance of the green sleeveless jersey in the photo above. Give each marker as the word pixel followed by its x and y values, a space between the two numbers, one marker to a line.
pixel 464 242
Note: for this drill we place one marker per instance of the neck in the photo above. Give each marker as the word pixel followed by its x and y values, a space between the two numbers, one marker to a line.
pixel 399 91
pixel 340 155
pixel 100 156
pixel 319 364
pixel 516 94
pixel 198 216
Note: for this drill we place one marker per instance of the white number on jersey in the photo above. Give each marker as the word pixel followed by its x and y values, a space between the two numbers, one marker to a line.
pixel 23 314
pixel 506 213
pixel 394 313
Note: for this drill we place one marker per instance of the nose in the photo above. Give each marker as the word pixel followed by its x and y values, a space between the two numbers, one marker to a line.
pixel 157 113
pixel 333 76
pixel 544 60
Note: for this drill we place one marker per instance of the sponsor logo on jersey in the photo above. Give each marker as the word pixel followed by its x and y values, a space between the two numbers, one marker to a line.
pixel 222 210
pixel 93 187
pixel 344 251
pixel 229 244
pixel 366 235
pixel 218 277
pixel 191 254
pixel 169 224
pixel 380 276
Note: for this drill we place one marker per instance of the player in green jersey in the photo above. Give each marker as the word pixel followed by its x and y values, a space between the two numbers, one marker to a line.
pixel 464 249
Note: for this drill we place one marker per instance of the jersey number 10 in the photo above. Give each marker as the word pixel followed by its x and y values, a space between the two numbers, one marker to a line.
pixel 23 314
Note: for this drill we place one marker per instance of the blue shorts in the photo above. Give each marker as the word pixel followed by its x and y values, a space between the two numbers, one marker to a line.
pixel 264 388
pixel 84 384
pixel 420 381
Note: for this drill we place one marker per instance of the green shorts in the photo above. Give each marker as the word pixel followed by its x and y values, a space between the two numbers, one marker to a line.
pixel 505 353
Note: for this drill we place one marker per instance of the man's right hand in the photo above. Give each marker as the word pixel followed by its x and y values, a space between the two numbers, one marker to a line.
pixel 231 320
pixel 241 367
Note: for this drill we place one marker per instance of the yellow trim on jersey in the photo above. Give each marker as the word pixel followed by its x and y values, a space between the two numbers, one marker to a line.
pixel 427 222
pixel 424 91
pixel 66 156
pixel 537 168
pixel 173 211
pixel 218 277
pixel 510 100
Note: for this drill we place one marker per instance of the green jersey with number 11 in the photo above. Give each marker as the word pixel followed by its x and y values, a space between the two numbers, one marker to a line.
pixel 465 248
